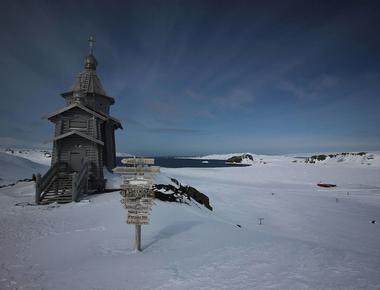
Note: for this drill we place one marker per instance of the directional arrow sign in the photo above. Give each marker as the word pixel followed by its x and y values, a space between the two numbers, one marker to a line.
pixel 138 161
pixel 143 220
pixel 135 170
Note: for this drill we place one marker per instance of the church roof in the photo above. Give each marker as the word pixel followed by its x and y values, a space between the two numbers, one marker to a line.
pixel 101 116
pixel 88 81
pixel 76 105
pixel 83 135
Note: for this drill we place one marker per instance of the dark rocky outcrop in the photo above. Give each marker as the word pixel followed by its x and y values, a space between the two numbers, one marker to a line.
pixel 239 158
pixel 327 185
pixel 180 193
pixel 20 180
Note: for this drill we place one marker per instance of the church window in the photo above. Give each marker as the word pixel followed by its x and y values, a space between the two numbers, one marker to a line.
pixel 78 124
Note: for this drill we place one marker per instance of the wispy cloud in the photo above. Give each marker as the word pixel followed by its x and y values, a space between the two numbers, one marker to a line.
pixel 153 129
pixel 163 107
pixel 236 99
pixel 312 89
pixel 173 130
pixel 231 99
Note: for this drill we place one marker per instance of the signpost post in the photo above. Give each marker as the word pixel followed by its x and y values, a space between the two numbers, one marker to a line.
pixel 137 192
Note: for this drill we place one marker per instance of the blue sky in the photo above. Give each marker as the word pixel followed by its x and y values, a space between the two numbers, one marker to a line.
pixel 197 77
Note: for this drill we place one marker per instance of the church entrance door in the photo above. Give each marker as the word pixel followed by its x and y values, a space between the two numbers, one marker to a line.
pixel 77 158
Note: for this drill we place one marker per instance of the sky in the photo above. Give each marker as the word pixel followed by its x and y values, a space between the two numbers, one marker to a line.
pixel 198 77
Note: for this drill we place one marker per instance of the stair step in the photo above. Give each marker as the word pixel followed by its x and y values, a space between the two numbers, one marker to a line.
pixel 60 191
pixel 45 202
pixel 58 196
pixel 54 192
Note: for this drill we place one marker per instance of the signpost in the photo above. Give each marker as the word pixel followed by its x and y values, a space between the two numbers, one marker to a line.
pixel 137 192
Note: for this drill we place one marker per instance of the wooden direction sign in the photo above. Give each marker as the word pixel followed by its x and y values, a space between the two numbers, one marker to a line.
pixel 138 161
pixel 131 207
pixel 137 199
pixel 137 191
pixel 138 180
pixel 141 207
pixel 139 211
pixel 137 220
pixel 136 170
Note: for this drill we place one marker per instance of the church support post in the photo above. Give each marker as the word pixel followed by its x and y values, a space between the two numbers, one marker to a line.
pixel 74 192
pixel 38 189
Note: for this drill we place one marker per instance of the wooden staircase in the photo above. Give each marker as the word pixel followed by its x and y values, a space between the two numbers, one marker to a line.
pixel 60 190
pixel 62 185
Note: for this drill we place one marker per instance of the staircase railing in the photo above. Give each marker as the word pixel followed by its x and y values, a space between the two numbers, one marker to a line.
pixel 80 180
pixel 43 183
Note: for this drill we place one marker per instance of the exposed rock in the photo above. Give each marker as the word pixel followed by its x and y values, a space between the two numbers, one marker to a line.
pixel 240 158
pixel 322 157
pixel 180 193
pixel 20 180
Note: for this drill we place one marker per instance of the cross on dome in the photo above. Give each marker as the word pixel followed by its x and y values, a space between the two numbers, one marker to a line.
pixel 91 42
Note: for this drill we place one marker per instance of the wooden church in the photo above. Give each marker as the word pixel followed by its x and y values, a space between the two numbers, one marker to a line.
pixel 84 140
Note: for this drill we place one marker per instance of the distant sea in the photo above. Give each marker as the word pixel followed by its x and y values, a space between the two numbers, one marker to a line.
pixel 173 162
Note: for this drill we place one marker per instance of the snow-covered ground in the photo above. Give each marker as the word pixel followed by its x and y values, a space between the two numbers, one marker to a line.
pixel 36 155
pixel 310 238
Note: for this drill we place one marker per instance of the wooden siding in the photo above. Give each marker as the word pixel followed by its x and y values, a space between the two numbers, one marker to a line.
pixel 95 102
pixel 54 155
pixel 98 104
pixel 92 150
pixel 90 124
pixel 66 118
pixel 109 146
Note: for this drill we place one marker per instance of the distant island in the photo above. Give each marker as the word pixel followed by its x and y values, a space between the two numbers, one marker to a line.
pixel 240 158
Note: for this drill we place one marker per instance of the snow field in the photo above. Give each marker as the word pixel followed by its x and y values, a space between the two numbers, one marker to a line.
pixel 311 238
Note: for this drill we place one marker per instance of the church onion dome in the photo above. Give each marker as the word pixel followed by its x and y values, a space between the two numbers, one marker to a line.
pixel 88 81
pixel 90 62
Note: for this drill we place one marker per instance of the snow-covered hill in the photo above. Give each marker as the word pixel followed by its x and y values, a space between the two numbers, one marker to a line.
pixel 14 168
pixel 40 156
pixel 353 158
pixel 349 158
pixel 122 154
